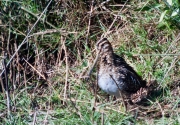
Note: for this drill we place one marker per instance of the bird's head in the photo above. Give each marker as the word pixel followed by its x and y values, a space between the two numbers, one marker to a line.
pixel 103 46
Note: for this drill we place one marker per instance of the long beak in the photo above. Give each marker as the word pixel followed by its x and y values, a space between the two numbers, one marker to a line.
pixel 95 61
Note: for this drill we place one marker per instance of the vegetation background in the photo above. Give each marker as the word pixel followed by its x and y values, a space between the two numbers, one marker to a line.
pixel 48 46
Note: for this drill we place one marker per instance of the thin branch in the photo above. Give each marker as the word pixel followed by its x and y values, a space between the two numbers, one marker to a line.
pixel 89 23
pixel 35 69
pixel 67 66
pixel 46 118
pixel 120 92
pixel 49 31
pixel 35 115
pixel 100 5
pixel 116 17
pixel 7 86
pixel 171 66
pixel 25 39
pixel 178 54
pixel 40 15
pixel 102 119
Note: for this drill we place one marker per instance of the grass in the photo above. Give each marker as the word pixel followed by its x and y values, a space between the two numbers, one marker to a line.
pixel 50 88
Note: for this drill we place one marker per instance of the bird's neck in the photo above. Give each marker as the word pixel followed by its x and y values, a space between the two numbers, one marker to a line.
pixel 107 58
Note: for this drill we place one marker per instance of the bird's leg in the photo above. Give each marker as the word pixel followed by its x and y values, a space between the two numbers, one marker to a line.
pixel 120 92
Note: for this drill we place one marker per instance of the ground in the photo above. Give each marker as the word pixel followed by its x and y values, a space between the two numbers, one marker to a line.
pixel 47 61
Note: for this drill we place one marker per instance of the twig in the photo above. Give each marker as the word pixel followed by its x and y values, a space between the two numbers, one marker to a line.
pixel 100 5
pixel 117 111
pixel 1 80
pixel 116 17
pixel 89 23
pixel 35 69
pixel 18 69
pixel 40 16
pixel 171 46
pixel 25 39
pixel 2 84
pixel 171 66
pixel 49 31
pixel 7 86
pixel 120 92
pixel 178 54
pixel 77 110
pixel 34 118
pixel 102 119
pixel 45 120
pixel 162 111
pixel 119 5
pixel 67 68
pixel 95 89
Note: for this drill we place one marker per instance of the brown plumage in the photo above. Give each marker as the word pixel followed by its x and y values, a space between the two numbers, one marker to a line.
pixel 114 73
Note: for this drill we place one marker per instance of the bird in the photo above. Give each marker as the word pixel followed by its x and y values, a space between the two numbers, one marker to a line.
pixel 115 76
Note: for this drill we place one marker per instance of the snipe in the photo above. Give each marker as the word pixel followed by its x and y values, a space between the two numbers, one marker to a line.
pixel 115 75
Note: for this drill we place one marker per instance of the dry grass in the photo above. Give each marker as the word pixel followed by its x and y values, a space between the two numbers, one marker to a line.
pixel 45 76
